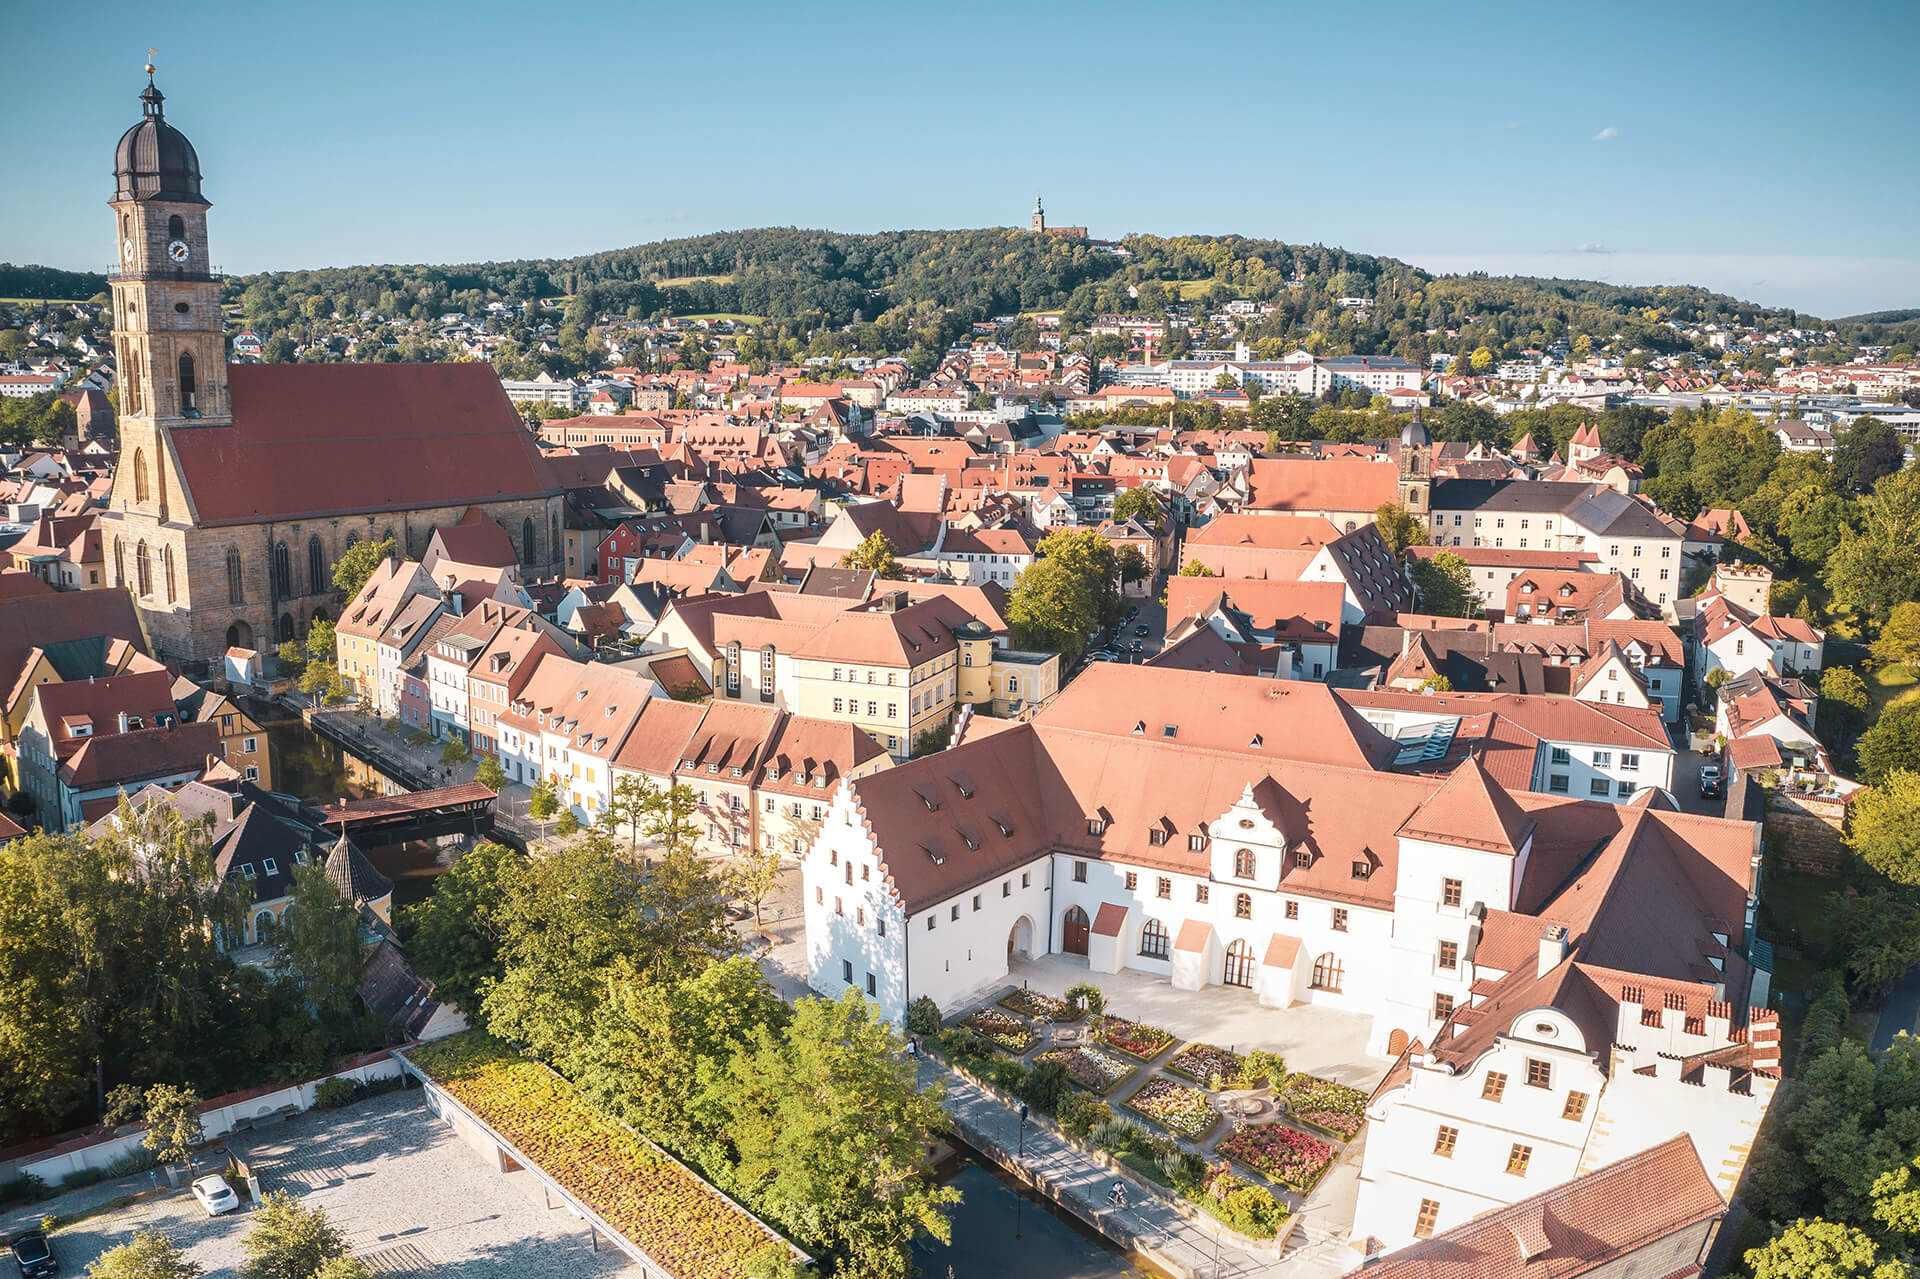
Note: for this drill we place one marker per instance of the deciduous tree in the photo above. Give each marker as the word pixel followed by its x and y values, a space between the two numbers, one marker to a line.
pixel 1892 744
pixel 356 565
pixel 1398 528
pixel 150 1254
pixel 875 554
pixel 288 1240
pixel 1877 566
pixel 1138 503
pixel 454 936
pixel 1899 639
pixel 1444 583
pixel 1883 827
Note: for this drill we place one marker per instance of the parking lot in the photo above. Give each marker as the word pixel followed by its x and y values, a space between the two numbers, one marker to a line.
pixel 1148 612
pixel 410 1196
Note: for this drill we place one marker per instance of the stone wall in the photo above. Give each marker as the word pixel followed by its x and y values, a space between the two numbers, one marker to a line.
pixel 1807 833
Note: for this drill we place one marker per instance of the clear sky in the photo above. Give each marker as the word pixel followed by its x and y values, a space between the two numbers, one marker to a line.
pixel 1762 148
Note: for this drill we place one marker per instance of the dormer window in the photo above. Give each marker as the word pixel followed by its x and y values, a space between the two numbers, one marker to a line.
pixel 1096 826
pixel 1157 835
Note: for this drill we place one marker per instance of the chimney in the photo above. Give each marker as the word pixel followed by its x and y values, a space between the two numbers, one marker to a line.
pixel 126 722
pixel 1553 948
pixel 893 601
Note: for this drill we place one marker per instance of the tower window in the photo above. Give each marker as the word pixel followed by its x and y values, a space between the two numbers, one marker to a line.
pixel 143 568
pixel 176 228
pixel 236 593
pixel 186 383
pixel 140 489
pixel 282 573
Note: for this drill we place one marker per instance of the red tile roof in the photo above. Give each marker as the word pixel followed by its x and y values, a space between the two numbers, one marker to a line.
pixel 1310 484
pixel 1471 811
pixel 334 439
pixel 1109 920
pixel 1194 934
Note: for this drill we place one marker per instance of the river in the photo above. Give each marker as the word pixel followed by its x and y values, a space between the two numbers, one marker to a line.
pixel 1002 1231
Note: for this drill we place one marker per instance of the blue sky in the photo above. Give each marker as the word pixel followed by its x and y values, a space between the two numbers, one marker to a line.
pixel 1759 148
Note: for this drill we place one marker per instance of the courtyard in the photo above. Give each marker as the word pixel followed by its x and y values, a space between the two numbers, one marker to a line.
pixel 410 1196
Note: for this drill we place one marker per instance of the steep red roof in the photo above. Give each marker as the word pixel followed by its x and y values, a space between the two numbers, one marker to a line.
pixel 1471 811
pixel 336 439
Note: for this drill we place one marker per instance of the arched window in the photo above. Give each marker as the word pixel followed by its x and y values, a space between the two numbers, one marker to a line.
pixel 119 565
pixel 282 573
pixel 286 627
pixel 1243 863
pixel 166 563
pixel 1243 905
pixel 316 564
pixel 140 491
pixel 236 577
pixel 352 537
pixel 527 549
pixel 1327 972
pixel 1239 964
pixel 143 569
pixel 1153 940
pixel 176 228
pixel 186 383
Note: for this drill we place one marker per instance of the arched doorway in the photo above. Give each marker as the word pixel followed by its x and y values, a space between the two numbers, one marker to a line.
pixel 1328 973
pixel 1075 929
pixel 286 627
pixel 1020 939
pixel 240 635
pixel 1396 1043
pixel 1239 964
pixel 264 927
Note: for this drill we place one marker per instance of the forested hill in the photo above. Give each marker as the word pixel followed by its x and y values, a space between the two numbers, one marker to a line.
pixel 803 280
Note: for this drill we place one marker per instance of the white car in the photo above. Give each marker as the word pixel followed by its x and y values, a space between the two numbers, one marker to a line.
pixel 215 1195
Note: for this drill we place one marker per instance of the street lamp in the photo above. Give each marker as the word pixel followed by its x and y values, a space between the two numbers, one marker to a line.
pixel 1023 1129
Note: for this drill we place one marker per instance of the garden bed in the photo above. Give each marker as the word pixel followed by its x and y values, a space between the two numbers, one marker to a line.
pixel 1091 1069
pixel 686 1225
pixel 1286 1155
pixel 1202 1062
pixel 1032 1003
pixel 1179 1109
pixel 1136 1039
pixel 1325 1106
pixel 1008 1034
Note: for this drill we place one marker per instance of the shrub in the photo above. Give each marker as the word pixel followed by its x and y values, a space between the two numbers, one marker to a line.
pixel 1182 1169
pixel 1009 1076
pixel 1826 1021
pixel 83 1177
pixel 333 1092
pixel 139 1159
pixel 1047 1084
pixel 22 1189
pixel 1253 1211
pixel 1118 1136
pixel 1080 1114
pixel 959 1046
pixel 1264 1067
pixel 1085 995
pixel 923 1016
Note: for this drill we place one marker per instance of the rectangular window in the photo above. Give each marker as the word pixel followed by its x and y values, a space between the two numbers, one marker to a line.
pixel 1293 910
pixel 250 745
pixel 976 901
pixel 956 914
pixel 1557 783
pixel 1163 887
pixel 1450 955
pixel 1200 893
pixel 1517 1159
pixel 1603 759
pixel 1629 762
pixel 1196 843
pixel 1450 892
pixel 1495 1087
pixel 1133 881
pixel 1006 888
pixel 872 986
pixel 846 971
pixel 1096 826
pixel 1429 1214
pixel 1576 1106
pixel 1339 919
pixel 1445 1140
pixel 1539 1073
pixel 839 906
pixel 269 865
pixel 930 921
pixel 1598 786
pixel 1442 1007
pixel 1560 755
pixel 1079 872
pixel 1623 789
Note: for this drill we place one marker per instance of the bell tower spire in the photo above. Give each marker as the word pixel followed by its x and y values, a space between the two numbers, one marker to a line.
pixel 1039 217
pixel 169 336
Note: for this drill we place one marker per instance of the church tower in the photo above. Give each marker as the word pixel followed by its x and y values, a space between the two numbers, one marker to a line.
pixel 1416 469
pixel 169 341
pixel 1039 217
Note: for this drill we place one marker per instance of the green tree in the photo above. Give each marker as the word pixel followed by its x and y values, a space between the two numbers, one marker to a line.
pixel 1194 568
pixel 875 555
pixel 345 1268
pixel 454 751
pixel 490 774
pixel 1892 744
pixel 320 640
pixel 632 804
pixel 1814 1249
pixel 1094 567
pixel 1444 584
pixel 1137 503
pixel 454 936
pixel 1898 642
pixel 668 818
pixel 1883 826
pixel 317 946
pixel 544 802
pixel 1049 610
pixel 150 1254
pixel 288 1241
pixel 1866 451
pixel 652 1042
pixel 829 1131
pixel 1882 935
pixel 356 565
pixel 1877 565
pixel 1398 527
pixel 1845 703
pixel 755 875
pixel 1133 565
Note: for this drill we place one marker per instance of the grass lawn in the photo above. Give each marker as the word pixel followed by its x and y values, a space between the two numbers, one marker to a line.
pixel 735 316
pixel 694 279
pixel 1892 684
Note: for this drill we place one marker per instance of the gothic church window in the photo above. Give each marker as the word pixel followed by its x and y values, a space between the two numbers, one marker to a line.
pixel 316 563
pixel 236 592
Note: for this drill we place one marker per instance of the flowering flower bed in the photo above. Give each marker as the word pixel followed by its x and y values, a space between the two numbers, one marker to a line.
pixel 1284 1154
pixel 1008 1034
pixel 1035 1004
pixel 1136 1039
pixel 1202 1062
pixel 1334 1109
pixel 1089 1067
pixel 1182 1109
pixel 685 1224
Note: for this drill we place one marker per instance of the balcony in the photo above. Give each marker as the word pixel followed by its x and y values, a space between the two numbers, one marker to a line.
pixel 212 275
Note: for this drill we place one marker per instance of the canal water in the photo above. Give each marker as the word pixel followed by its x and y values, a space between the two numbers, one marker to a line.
pixel 1001 1230
pixel 313 768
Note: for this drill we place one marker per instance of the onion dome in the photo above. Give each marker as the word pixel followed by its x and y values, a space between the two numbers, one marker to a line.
pixel 154 160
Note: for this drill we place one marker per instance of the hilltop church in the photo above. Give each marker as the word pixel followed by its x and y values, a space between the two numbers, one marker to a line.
pixel 240 486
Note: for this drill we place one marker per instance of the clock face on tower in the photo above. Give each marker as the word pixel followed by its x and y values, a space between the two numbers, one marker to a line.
pixel 177 250
pixel 126 250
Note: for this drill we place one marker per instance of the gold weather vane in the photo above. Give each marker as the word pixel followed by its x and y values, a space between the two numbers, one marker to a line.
pixel 150 56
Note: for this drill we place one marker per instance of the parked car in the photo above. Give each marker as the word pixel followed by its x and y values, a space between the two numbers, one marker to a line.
pixel 215 1195
pixel 1712 786
pixel 34 1255
pixel 1142 630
